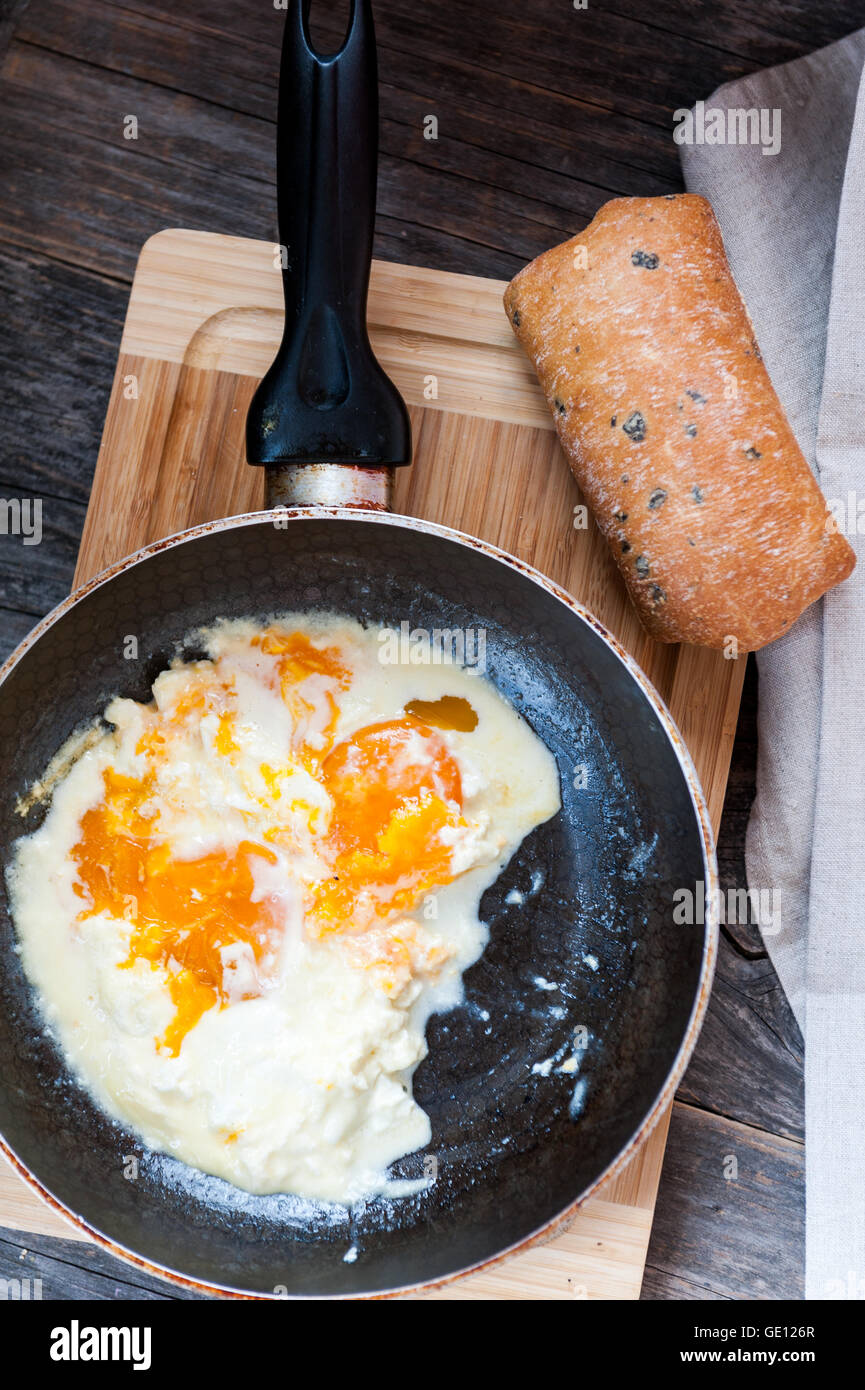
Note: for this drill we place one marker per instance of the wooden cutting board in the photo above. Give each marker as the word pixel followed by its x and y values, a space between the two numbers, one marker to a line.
pixel 204 321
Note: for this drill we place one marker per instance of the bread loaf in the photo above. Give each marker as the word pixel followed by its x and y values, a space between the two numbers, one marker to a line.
pixel 648 360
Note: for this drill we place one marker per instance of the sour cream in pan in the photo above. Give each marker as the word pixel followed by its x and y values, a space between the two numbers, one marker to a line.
pixel 248 896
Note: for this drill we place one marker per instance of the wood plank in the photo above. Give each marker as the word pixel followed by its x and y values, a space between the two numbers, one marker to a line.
pixel 714 1231
pixel 533 152
pixel 659 1285
pixel 749 1018
pixel 704 696
pixel 558 136
pixel 56 1264
pixel 608 1239
pixel 58 349
pixel 35 577
pixel 83 109
pixel 11 13
pixel 182 275
pixel 630 55
pixel 640 64
pixel 47 160
pixel 773 32
pixel 741 789
pixel 521 165
pixel 22 1210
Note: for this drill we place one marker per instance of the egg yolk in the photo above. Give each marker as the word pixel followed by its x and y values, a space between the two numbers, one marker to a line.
pixel 297 659
pixel 395 798
pixel 183 912
pixel 376 771
pixel 395 788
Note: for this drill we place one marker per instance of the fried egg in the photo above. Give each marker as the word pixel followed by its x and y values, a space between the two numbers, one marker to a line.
pixel 248 896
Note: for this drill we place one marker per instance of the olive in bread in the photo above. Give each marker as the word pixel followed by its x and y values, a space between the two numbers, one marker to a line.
pixel 647 356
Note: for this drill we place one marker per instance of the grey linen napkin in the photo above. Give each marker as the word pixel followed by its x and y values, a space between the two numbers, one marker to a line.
pixel 794 227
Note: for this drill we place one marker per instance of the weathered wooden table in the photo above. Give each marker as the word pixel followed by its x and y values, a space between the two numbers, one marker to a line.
pixel 543 111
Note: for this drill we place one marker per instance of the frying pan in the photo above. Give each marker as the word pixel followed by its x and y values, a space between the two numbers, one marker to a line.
pixel 518 1144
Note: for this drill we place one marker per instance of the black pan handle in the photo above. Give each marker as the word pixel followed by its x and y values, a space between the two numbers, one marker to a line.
pixel 325 397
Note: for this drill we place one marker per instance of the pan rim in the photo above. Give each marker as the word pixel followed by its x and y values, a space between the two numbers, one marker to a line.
pixel 548 1229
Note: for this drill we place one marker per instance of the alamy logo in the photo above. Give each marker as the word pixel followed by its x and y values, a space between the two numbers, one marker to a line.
pixel 760 907
pixel 20 1290
pixel 77 1343
pixel 713 125
pixel 420 646
pixel 847 516
pixel 21 516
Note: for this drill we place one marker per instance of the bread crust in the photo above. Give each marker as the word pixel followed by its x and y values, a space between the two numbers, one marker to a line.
pixel 647 356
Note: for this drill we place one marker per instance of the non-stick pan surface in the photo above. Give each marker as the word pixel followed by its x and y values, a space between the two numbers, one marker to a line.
pixel 514 1143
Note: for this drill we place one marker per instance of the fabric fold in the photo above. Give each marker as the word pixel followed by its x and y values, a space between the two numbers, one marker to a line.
pixel 835 1056
pixel 781 215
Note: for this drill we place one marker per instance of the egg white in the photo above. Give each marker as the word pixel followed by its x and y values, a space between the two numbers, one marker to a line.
pixel 305 1088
